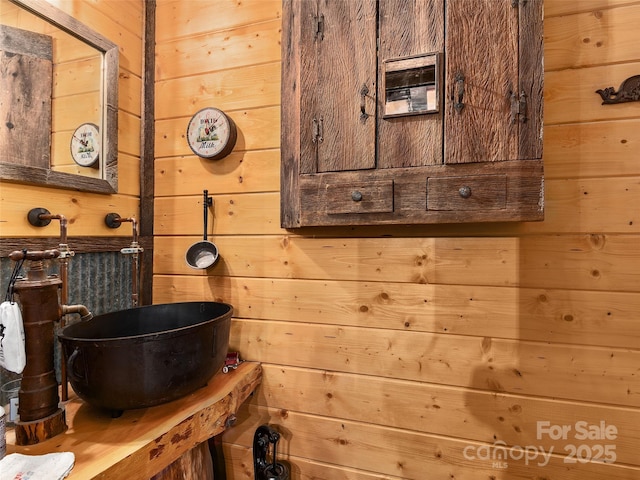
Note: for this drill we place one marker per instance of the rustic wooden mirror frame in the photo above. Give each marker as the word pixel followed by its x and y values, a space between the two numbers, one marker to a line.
pixel 109 115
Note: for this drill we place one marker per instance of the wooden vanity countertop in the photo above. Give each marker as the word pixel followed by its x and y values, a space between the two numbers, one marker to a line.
pixel 142 442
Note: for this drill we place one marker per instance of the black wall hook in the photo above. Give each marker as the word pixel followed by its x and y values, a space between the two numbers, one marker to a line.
pixel 629 91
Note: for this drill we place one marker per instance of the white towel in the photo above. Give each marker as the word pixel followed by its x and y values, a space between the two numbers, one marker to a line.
pixel 12 352
pixel 52 466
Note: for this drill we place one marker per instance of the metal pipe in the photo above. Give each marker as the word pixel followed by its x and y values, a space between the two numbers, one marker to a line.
pixel 113 220
pixel 134 250
pixel 134 228
pixel 40 217
pixel 81 310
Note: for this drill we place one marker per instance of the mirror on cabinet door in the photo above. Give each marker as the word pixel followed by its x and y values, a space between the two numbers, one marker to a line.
pixel 58 100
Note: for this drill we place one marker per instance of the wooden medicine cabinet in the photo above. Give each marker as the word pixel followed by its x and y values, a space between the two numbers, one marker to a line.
pixel 404 112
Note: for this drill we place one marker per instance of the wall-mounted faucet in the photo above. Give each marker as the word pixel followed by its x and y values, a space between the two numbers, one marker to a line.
pixel 41 217
pixel 113 220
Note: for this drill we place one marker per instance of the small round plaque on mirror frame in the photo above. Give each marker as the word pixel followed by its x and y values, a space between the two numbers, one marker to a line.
pixel 85 145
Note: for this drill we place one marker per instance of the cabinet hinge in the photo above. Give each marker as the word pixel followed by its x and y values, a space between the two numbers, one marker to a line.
pixel 319 33
pixel 518 107
pixel 316 135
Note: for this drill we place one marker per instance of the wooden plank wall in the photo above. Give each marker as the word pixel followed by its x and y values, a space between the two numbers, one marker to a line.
pixel 121 22
pixel 416 352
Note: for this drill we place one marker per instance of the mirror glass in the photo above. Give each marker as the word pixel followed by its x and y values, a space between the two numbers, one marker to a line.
pixel 411 85
pixel 58 100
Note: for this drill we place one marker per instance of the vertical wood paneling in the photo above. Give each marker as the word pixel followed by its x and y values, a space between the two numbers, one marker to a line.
pixel 390 352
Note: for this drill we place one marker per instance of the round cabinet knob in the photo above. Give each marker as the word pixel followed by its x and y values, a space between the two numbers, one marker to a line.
pixel 465 192
pixel 356 196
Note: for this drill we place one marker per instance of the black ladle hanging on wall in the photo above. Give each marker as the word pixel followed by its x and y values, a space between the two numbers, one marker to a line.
pixel 203 254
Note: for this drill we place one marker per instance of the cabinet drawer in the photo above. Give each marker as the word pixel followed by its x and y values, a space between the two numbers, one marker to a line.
pixel 478 192
pixel 374 197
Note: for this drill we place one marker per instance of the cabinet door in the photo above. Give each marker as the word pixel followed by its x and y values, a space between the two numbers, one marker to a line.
pixel 338 85
pixel 408 28
pixel 481 78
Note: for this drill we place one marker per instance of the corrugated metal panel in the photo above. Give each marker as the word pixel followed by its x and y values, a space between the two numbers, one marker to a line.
pixel 100 281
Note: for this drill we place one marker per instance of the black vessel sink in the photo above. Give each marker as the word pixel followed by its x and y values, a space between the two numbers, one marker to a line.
pixel 148 355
